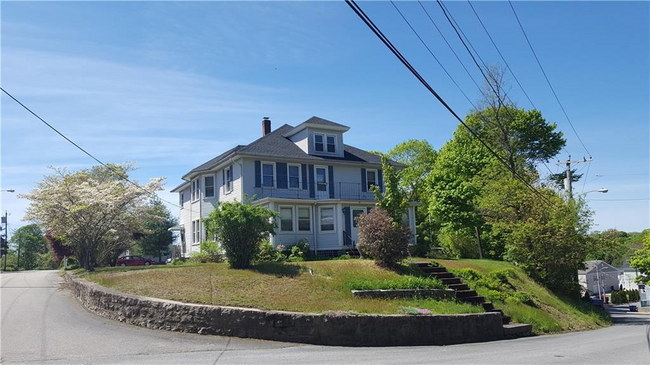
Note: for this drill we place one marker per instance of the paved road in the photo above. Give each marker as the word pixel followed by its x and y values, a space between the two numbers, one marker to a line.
pixel 42 324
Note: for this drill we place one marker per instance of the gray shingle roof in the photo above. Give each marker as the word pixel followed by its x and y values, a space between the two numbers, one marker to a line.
pixel 602 267
pixel 275 144
pixel 321 121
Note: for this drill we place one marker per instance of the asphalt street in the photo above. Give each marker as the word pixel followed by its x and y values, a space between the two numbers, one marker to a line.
pixel 42 323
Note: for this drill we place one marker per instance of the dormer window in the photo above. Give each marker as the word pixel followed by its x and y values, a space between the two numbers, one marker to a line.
pixel 318 142
pixel 331 144
pixel 325 143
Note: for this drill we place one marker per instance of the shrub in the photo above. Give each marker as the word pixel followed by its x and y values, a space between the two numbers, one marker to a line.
pixel 240 227
pixel 212 251
pixel 299 251
pixel 403 282
pixel 268 253
pixel 380 239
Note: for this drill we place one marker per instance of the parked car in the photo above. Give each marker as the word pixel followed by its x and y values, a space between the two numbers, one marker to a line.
pixel 597 303
pixel 133 261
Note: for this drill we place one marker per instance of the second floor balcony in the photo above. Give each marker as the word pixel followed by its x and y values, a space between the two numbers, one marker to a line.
pixel 315 190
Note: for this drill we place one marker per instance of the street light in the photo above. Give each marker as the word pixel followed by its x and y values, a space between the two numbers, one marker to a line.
pixel 601 190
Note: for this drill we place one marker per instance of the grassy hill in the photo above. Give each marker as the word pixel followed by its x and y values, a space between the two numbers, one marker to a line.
pixel 324 286
pixel 520 297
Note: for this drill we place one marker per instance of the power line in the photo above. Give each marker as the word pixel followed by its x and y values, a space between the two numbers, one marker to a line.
pixel 432 55
pixel 547 79
pixel 500 54
pixel 119 174
pixel 371 25
pixel 457 28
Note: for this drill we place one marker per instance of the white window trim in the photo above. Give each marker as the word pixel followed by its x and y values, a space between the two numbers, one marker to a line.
pixel 293 218
pixel 195 191
pixel 324 144
pixel 311 219
pixel 320 217
pixel 327 178
pixel 376 179
pixel 262 173
pixel 227 190
pixel 299 176
pixel 336 145
pixel 325 135
pixel 214 187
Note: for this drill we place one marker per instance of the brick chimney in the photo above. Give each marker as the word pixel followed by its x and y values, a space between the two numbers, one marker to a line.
pixel 266 126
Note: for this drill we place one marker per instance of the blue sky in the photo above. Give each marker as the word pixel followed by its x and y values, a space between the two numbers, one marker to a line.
pixel 170 85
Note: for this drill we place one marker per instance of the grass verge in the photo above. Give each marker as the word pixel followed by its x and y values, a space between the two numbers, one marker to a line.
pixel 312 286
pixel 523 299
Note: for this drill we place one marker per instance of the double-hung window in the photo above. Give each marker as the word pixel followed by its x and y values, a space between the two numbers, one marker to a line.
pixel 331 143
pixel 294 176
pixel 327 219
pixel 196 231
pixel 304 219
pixel 228 184
pixel 195 190
pixel 208 182
pixel 321 179
pixel 286 219
pixel 325 142
pixel 267 174
pixel 371 179
pixel 318 142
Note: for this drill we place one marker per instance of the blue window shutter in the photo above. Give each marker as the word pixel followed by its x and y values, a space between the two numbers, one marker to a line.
pixel 330 172
pixel 312 183
pixel 223 177
pixel 258 174
pixel 348 226
pixel 380 180
pixel 364 184
pixel 303 168
pixel 282 175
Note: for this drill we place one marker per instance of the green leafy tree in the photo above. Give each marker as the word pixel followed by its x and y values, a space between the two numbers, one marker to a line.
pixel 394 198
pixel 420 158
pixel 156 237
pixel 240 228
pixel 31 243
pixel 609 246
pixel 641 259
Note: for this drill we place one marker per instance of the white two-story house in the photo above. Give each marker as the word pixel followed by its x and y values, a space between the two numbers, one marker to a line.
pixel 316 183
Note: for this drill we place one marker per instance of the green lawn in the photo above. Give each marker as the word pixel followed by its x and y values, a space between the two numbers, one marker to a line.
pixel 313 286
pixel 547 312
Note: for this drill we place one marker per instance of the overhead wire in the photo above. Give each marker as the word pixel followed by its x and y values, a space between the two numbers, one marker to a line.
pixel 548 81
pixel 373 27
pixel 118 173
pixel 461 34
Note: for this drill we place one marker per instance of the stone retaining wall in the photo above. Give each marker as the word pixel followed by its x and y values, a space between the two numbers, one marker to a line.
pixel 321 329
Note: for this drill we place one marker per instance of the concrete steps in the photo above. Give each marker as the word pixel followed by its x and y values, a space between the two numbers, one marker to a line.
pixel 465 294
pixel 516 330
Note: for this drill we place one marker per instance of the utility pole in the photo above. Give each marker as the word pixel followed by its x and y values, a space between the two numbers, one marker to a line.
pixel 568 183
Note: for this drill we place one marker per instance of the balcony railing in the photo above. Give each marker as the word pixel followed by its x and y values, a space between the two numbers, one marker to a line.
pixel 313 190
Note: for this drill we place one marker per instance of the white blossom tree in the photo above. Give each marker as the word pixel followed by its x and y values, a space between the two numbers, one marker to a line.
pixel 96 210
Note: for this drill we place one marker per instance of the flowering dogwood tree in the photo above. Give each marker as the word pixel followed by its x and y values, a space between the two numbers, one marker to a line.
pixel 96 210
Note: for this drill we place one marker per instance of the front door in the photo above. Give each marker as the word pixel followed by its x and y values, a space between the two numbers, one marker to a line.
pixel 354 230
pixel 322 185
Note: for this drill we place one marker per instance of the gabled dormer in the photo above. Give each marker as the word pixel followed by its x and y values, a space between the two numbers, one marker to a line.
pixel 319 137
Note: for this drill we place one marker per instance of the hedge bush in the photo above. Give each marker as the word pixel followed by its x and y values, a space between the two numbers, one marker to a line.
pixel 381 239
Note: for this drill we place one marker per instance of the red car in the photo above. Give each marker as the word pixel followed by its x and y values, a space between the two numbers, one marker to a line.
pixel 133 261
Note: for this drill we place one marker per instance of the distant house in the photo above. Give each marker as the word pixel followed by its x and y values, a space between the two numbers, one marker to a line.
pixel 627 278
pixel 316 183
pixel 598 273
